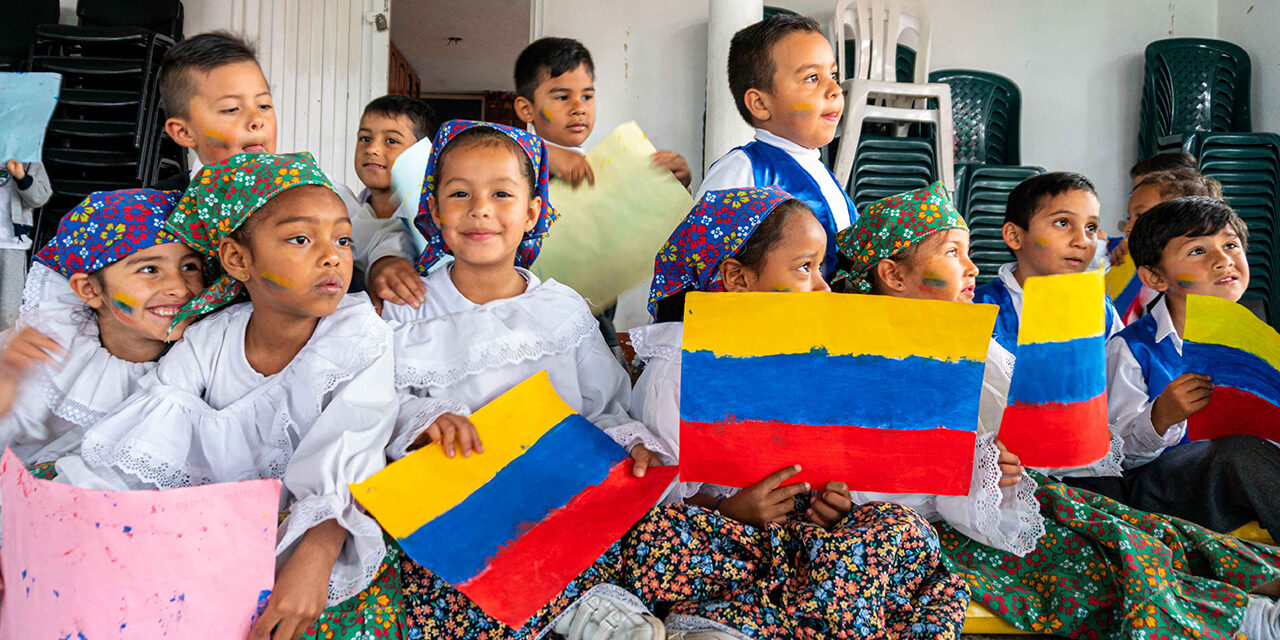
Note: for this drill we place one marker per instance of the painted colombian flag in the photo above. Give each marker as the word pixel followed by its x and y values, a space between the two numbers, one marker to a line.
pixel 512 526
pixel 1240 353
pixel 1057 411
pixel 878 392
pixel 1124 287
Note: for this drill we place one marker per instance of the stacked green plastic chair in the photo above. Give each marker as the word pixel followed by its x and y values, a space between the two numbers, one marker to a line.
pixel 986 113
pixel 1191 85
pixel 1248 166
pixel 888 165
pixel 986 191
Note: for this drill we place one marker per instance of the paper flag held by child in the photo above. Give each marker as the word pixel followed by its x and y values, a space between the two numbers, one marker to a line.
pixel 878 392
pixel 607 234
pixel 26 104
pixel 1240 353
pixel 1057 411
pixel 194 563
pixel 512 526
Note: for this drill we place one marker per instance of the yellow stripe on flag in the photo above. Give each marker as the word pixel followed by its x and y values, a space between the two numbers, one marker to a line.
pixel 761 324
pixel 1062 307
pixel 414 490
pixel 1118 277
pixel 1213 320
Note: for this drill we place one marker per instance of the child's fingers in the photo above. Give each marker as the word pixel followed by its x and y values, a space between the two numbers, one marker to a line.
pixel 841 501
pixel 288 629
pixel 828 512
pixel 384 291
pixel 41 341
pixel 266 622
pixel 784 493
pixel 776 478
pixel 403 291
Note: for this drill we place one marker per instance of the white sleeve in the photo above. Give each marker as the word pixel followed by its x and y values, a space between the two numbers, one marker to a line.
pixel 606 398
pixel 344 445
pixel 731 171
pixel 1129 409
pixel 655 400
pixel 416 413
pixel 996 377
pixel 379 238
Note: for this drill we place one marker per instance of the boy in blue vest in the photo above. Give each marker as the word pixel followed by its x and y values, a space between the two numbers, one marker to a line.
pixel 1051 225
pixel 784 81
pixel 1191 245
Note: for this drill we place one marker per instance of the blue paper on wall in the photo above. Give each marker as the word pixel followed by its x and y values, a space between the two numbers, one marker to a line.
pixel 26 104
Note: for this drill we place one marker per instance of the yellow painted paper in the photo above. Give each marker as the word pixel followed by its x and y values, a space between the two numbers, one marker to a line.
pixel 753 324
pixel 608 234
pixel 414 490
pixel 1062 307
pixel 1213 320
pixel 1119 276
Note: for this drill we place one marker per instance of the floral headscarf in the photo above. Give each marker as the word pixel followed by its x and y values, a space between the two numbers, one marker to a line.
pixel 106 227
pixel 890 225
pixel 719 224
pixel 537 152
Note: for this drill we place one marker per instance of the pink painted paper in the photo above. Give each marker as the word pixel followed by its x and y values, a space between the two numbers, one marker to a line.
pixel 189 564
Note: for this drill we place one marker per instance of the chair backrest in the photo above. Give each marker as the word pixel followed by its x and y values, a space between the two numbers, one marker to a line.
pixel 986 112
pixel 875 29
pixel 21 17
pixel 1195 84
pixel 161 16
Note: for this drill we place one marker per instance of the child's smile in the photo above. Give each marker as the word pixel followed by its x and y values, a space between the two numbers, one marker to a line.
pixel 482 205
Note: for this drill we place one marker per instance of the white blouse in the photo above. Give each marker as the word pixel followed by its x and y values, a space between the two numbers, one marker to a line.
pixel 56 403
pixel 454 356
pixel 207 416
pixel 1007 518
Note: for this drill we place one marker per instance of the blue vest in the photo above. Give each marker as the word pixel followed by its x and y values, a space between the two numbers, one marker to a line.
pixel 1006 329
pixel 773 167
pixel 1160 361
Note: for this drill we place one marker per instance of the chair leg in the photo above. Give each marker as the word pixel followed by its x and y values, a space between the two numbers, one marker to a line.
pixel 855 106
pixel 946 141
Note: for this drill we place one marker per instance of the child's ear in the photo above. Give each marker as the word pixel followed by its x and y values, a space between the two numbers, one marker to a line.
pixel 434 209
pixel 535 211
pixel 757 104
pixel 524 109
pixel 235 259
pixel 181 132
pixel 735 276
pixel 1153 278
pixel 892 275
pixel 86 289
pixel 1012 234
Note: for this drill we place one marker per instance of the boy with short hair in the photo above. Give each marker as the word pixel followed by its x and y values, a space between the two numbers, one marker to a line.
pixel 555 87
pixel 1193 245
pixel 783 78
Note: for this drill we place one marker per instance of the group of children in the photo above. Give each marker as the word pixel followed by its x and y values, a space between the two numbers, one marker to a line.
pixel 206 334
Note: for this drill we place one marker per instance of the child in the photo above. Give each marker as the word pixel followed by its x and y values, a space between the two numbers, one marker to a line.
pixel 555 87
pixel 1099 569
pixel 390 125
pixel 100 300
pixel 24 187
pixel 295 384
pixel 784 81
pixel 1184 246
pixel 1167 161
pixel 1051 225
pixel 762 239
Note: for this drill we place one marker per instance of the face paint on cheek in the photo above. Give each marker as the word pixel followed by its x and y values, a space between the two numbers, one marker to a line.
pixel 216 138
pixel 123 305
pixel 278 283
pixel 931 281
pixel 782 290
pixel 546 116
pixel 801 107
pixel 1186 280
pixel 1041 242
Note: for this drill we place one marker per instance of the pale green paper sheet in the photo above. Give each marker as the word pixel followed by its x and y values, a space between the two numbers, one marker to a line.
pixel 608 234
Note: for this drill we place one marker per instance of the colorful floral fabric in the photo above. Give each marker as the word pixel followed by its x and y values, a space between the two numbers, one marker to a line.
pixel 1104 570
pixel 877 575
pixel 890 225
pixel 719 224
pixel 106 227
pixel 537 152
pixel 220 198
pixel 378 612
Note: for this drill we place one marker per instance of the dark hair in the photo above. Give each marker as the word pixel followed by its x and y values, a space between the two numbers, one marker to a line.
pixel 1170 161
pixel 1194 216
pixel 419 113
pixel 553 56
pixel 1029 195
pixel 751 254
pixel 486 137
pixel 751 63
pixel 1182 183
pixel 203 53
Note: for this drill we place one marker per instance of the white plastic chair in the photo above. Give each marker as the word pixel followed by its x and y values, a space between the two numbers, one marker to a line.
pixel 878 26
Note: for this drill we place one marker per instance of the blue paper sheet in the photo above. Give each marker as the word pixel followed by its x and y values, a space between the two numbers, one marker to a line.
pixel 26 104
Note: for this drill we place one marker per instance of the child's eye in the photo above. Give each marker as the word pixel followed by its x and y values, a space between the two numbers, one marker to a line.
pixel 805 267
pixel 1195 252
pixel 148 269
pixel 502 194
pixel 344 241
pixel 194 266
pixel 266 107
pixel 298 240
pixel 364 139
pixel 813 77
pixel 458 194
pixel 231 110
pixel 1060 222
pixel 392 141
pixel 1092 227
pixel 952 252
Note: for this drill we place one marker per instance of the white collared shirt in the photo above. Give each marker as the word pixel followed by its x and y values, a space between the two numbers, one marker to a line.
pixel 733 170
pixel 1128 407
pixel 578 150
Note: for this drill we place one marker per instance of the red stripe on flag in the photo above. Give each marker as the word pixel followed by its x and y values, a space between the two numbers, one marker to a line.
pixel 1057 435
pixel 533 569
pixel 1231 411
pixel 740 454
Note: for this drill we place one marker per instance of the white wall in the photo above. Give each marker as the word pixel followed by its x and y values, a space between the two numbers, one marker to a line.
pixel 493 33
pixel 1254 25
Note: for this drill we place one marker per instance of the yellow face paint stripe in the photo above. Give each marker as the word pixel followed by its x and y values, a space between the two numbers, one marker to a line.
pixel 1062 307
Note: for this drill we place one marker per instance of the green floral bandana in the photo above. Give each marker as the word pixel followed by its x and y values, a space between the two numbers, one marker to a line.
pixel 891 225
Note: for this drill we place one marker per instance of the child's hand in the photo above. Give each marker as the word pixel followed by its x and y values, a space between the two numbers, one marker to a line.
pixel 1117 254
pixel 447 430
pixel 25 349
pixel 1187 394
pixel 1010 467
pixel 675 163
pixel 644 458
pixel 394 278
pixel 766 501
pixel 830 505
pixel 570 166
pixel 302 585
pixel 16 168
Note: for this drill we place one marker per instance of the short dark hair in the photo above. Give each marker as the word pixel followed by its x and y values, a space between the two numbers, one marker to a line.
pixel 1193 216
pixel 487 137
pixel 204 53
pixel 1029 195
pixel 419 113
pixel 1168 161
pixel 1181 183
pixel 553 56
pixel 751 63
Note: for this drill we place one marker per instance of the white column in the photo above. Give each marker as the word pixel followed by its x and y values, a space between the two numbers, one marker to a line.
pixel 725 127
